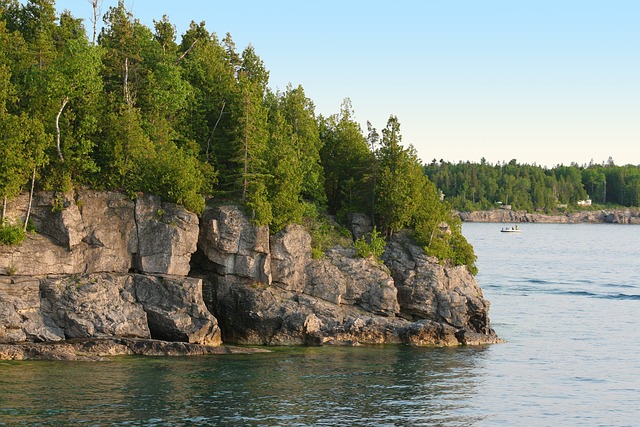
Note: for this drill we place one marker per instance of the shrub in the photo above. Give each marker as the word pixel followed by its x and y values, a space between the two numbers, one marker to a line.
pixel 11 234
pixel 373 248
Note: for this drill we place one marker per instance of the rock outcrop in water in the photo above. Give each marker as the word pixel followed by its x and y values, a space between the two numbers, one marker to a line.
pixel 103 267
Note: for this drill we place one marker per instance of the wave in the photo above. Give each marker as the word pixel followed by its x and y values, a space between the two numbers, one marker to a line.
pixel 603 296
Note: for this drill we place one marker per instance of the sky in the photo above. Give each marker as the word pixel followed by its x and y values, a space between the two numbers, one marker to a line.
pixel 544 82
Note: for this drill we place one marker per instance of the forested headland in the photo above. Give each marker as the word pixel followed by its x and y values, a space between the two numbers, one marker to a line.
pixel 483 186
pixel 137 109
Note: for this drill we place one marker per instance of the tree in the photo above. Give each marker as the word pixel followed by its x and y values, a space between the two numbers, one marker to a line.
pixel 299 112
pixel 285 173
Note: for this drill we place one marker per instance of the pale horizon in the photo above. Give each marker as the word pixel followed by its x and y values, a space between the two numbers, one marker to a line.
pixel 541 82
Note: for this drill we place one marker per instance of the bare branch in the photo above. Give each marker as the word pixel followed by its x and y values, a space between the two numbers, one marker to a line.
pixel 187 51
pixel 214 128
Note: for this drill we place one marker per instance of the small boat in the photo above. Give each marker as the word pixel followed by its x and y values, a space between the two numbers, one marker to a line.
pixel 513 229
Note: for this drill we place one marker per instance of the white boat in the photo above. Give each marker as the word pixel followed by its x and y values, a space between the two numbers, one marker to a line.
pixel 513 229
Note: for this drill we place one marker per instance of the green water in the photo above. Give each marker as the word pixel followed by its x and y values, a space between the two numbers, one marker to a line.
pixel 303 386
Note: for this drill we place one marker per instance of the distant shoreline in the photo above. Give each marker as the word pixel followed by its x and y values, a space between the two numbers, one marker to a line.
pixel 617 216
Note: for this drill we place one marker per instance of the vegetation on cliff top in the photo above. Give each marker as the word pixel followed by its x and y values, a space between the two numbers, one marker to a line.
pixel 135 109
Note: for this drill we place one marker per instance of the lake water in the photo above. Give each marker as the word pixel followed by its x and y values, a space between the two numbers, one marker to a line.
pixel 565 297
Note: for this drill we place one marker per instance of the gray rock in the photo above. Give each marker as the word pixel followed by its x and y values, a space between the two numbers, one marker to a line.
pixel 94 306
pixel 257 314
pixel 290 253
pixel 430 291
pixel 100 349
pixel 232 245
pixel 175 309
pixel 359 224
pixel 21 317
pixel 38 255
pixel 341 278
pixel 111 234
pixel 167 236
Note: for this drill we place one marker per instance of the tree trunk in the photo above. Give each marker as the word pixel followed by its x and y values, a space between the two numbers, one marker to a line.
pixel 4 210
pixel 125 84
pixel 33 182
pixel 64 104
pixel 95 4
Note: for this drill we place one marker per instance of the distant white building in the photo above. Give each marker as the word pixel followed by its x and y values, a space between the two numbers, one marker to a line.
pixel 584 202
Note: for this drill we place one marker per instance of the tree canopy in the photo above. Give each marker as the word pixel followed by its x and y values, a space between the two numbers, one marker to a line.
pixel 137 109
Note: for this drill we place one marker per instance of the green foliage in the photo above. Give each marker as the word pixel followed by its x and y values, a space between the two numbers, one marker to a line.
pixel 325 233
pixel 373 248
pixel 189 119
pixel 11 234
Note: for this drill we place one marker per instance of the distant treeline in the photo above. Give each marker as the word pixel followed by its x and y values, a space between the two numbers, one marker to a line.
pixel 478 186
pixel 134 109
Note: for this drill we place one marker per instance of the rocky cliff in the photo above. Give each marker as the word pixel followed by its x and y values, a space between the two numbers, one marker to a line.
pixel 104 268
pixel 627 216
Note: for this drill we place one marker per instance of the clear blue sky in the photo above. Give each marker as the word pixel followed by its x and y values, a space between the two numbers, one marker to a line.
pixel 540 81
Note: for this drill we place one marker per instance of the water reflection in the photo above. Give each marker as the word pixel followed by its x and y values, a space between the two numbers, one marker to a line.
pixel 373 386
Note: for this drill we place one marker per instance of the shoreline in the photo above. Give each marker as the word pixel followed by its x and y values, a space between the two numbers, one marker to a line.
pixel 618 216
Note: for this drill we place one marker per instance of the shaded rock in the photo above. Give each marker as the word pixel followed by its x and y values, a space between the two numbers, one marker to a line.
pixel 255 314
pixel 167 236
pixel 290 253
pixel 175 309
pixel 94 306
pixel 359 224
pixel 21 318
pixel 232 245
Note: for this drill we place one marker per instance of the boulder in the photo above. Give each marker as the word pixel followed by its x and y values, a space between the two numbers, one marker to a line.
pixel 94 306
pixel 359 224
pixel 21 317
pixel 175 309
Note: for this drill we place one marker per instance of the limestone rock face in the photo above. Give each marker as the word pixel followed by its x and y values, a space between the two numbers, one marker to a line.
pixel 175 309
pixel 74 279
pixel 233 246
pixel 94 306
pixel 39 255
pixel 167 236
pixel 341 299
pixel 290 253
pixel 103 306
pixel 427 290
pixel 342 278
pixel 102 232
pixel 21 317
pixel 257 314
pixel 110 231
